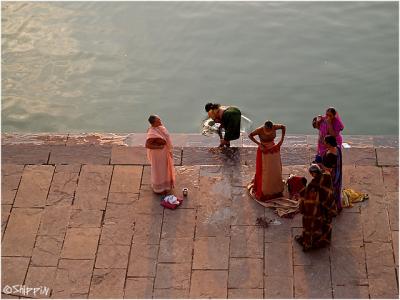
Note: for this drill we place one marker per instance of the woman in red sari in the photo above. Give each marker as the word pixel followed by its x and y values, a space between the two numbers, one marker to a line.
pixel 267 183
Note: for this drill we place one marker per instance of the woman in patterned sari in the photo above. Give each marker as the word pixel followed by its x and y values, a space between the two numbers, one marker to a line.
pixel 267 183
pixel 318 208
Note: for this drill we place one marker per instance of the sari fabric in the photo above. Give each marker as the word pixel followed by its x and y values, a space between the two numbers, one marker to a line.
pixel 318 207
pixel 231 122
pixel 323 132
pixel 334 162
pixel 267 183
pixel 161 160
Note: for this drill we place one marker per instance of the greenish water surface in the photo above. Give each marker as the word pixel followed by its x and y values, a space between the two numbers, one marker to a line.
pixel 105 66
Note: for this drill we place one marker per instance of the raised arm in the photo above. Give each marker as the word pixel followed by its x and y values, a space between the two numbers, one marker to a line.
pixel 283 128
pixel 253 134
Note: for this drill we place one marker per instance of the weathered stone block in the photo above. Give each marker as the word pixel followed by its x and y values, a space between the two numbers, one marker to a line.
pixel 107 283
pixel 278 287
pixel 359 156
pixel 387 156
pixel 365 179
pixel 209 284
pixel 148 203
pixel 380 262
pixel 147 229
pixel 85 218
pixel 211 253
pixel 348 265
pixel 21 231
pixel 92 191
pixel 139 288
pixel 213 221
pixel 143 260
pixel 25 154
pixel 40 277
pixel 278 259
pixel 126 179
pixel 391 178
pixel 245 293
pixel 247 241
pixel 10 179
pixel 34 186
pixel 80 154
pixel 120 213
pixel 13 270
pixel 116 234
pixel 342 235
pixel 73 278
pixel 245 273
pixel 173 223
pixel 350 292
pixel 63 185
pixel 81 243
pixel 245 210
pixel 173 276
pixel 123 198
pixel 55 220
pixel 376 226
pixel 312 282
pixel 176 250
pixel 171 293
pixel 112 256
pixel 47 251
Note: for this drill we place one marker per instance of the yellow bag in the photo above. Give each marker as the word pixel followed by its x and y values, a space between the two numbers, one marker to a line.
pixel 350 196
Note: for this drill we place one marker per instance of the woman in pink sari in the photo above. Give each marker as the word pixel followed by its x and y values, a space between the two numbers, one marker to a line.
pixel 330 124
pixel 267 183
pixel 159 153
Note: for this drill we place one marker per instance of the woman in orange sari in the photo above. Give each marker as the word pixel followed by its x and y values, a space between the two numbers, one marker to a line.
pixel 159 153
pixel 267 183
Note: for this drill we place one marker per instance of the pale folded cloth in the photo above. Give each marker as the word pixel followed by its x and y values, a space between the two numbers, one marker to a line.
pixel 171 199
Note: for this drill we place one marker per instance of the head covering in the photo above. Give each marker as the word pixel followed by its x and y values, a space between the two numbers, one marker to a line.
pixel 314 168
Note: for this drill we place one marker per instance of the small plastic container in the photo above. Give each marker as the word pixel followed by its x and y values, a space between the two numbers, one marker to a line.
pixel 185 192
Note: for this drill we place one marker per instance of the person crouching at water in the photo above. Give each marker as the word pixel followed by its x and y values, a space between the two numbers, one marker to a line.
pixel 229 117
pixel 159 153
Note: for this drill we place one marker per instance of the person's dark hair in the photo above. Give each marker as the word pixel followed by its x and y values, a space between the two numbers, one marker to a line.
pixel 331 140
pixel 152 119
pixel 332 111
pixel 268 124
pixel 209 106
pixel 314 122
pixel 314 168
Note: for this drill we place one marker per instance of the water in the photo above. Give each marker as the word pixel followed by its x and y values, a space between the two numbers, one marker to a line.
pixel 87 66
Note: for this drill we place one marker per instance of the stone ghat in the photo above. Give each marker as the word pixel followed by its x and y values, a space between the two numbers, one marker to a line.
pixel 189 149
pixel 79 217
pixel 180 139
